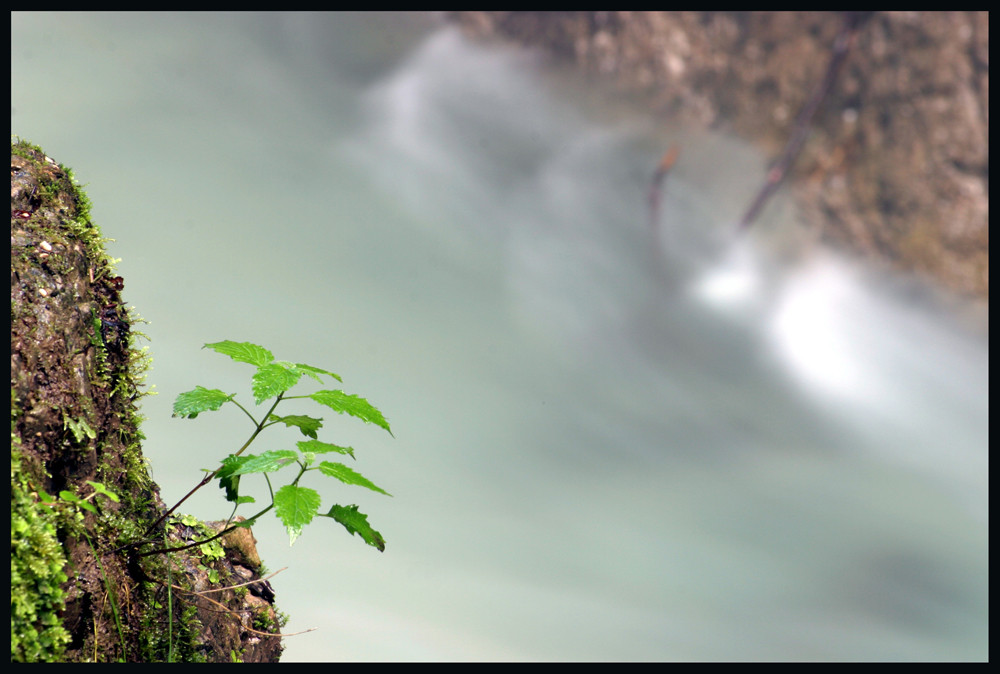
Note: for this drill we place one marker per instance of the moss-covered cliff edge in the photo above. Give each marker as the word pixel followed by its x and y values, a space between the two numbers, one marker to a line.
pixel 77 594
pixel 896 167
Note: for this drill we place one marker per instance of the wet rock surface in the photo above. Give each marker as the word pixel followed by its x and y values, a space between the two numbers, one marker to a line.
pixel 896 166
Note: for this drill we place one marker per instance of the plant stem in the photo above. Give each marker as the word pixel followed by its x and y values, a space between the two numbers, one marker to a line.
pixel 261 425
pixel 221 533
pixel 170 614
pixel 226 530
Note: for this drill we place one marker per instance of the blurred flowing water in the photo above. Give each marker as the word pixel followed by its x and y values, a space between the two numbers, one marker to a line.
pixel 611 443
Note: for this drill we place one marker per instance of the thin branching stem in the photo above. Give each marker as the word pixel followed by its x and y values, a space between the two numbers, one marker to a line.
pixel 246 412
pixel 260 426
pixel 220 534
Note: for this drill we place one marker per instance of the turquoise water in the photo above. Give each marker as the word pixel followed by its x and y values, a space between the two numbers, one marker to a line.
pixel 609 443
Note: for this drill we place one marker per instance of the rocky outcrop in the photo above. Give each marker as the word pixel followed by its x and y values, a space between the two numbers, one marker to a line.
pixel 80 489
pixel 897 163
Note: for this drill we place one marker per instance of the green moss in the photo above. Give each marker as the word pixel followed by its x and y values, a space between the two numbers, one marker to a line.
pixel 263 622
pixel 36 596
pixel 171 632
pixel 37 563
pixel 62 193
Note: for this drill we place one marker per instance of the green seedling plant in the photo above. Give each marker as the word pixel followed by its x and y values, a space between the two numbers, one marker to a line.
pixel 295 505
pixel 72 500
pixel 83 503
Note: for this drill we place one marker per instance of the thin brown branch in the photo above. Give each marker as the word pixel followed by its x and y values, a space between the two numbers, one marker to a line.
pixel 249 582
pixel 800 130
pixel 225 609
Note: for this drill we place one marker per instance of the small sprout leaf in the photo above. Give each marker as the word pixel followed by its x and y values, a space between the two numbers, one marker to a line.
pixel 307 425
pixel 296 506
pixel 354 405
pixel 317 447
pixel 192 403
pixel 229 479
pixel 272 379
pixel 314 372
pixel 357 523
pixel 101 489
pixel 268 462
pixel 348 476
pixel 243 352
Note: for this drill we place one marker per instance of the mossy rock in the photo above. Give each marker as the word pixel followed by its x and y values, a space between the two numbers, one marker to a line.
pixel 79 592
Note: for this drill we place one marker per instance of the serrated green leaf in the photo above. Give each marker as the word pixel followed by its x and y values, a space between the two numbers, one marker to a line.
pixel 192 403
pixel 295 507
pixel 268 462
pixel 228 479
pixel 314 372
pixel 243 352
pixel 348 476
pixel 317 447
pixel 354 405
pixel 307 425
pixel 231 483
pixel 230 464
pixel 272 379
pixel 357 523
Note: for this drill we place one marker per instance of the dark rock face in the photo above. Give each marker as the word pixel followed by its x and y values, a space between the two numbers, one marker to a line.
pixel 897 162
pixel 75 380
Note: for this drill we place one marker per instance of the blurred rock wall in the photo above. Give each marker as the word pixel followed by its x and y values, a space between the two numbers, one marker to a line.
pixel 897 163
